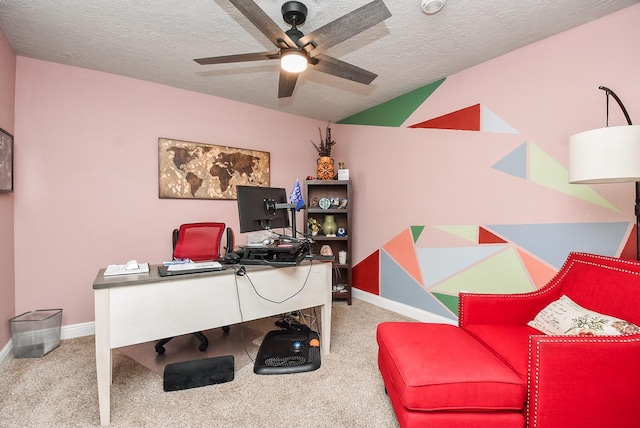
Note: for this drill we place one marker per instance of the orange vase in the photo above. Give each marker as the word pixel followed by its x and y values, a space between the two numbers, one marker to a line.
pixel 325 170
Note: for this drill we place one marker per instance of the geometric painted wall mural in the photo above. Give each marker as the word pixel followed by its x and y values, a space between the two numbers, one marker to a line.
pixel 553 242
pixel 501 258
pixel 367 274
pixel 466 119
pixel 529 162
pixel 397 285
pixel 395 111
pixel 501 272
pixel 473 118
pixel 401 250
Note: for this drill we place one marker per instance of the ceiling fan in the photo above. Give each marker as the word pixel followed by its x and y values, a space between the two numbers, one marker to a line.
pixel 297 51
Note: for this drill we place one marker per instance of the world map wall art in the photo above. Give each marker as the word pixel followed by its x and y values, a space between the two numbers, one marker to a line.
pixel 205 171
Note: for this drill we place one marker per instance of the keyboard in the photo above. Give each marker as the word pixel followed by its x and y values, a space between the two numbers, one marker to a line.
pixel 186 268
pixel 275 263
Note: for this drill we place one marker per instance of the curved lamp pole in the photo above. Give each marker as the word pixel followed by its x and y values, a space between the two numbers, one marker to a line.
pixel 608 155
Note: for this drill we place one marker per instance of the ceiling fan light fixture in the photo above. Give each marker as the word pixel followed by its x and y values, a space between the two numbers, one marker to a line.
pixel 293 61
pixel 431 7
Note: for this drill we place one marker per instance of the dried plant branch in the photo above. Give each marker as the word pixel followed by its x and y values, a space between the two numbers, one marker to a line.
pixel 326 143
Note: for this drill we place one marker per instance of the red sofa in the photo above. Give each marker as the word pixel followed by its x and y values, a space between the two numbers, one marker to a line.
pixel 494 370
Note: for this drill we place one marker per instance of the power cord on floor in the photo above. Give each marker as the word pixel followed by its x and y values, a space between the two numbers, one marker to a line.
pixel 285 322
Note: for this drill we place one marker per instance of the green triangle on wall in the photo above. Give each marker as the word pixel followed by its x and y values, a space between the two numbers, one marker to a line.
pixel 451 302
pixel 416 231
pixel 395 111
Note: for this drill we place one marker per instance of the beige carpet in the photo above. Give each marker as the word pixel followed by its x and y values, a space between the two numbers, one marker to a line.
pixel 59 390
pixel 241 342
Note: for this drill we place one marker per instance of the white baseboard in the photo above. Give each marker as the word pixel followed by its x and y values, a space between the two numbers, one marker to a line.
pixel 66 332
pixel 78 330
pixel 401 308
pixel 88 328
pixel 5 353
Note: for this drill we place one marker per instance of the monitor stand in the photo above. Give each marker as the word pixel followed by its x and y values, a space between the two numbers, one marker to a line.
pixel 292 211
pixel 288 351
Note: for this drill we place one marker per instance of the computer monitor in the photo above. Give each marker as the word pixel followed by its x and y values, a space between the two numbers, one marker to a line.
pixel 257 208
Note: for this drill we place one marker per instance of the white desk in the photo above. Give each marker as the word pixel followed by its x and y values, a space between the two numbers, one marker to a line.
pixel 139 308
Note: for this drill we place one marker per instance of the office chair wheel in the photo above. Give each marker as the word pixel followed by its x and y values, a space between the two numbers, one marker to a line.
pixel 226 329
pixel 160 349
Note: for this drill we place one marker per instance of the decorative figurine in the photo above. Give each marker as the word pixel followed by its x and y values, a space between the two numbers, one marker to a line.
pixel 341 232
pixel 343 203
pixel 314 226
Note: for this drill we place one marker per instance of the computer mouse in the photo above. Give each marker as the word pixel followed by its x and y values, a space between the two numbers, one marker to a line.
pixel 132 265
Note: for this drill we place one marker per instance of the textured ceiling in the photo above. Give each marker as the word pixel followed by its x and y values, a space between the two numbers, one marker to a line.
pixel 157 40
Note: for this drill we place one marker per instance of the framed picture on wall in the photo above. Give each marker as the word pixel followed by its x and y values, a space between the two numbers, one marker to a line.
pixel 205 171
pixel 6 161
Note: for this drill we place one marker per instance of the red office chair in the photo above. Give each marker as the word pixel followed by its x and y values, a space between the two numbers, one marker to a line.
pixel 198 242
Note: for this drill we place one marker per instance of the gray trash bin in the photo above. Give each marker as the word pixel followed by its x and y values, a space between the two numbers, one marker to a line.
pixel 34 334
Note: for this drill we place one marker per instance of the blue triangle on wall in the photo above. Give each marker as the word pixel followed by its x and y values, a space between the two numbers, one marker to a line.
pixel 397 285
pixel 553 242
pixel 515 163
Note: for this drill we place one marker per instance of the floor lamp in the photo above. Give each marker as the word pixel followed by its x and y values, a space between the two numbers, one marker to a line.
pixel 608 155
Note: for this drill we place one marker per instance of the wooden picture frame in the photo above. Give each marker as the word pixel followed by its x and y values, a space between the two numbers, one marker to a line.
pixel 188 170
pixel 6 161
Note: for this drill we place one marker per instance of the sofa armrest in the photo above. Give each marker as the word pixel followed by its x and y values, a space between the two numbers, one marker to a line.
pixel 510 309
pixel 578 381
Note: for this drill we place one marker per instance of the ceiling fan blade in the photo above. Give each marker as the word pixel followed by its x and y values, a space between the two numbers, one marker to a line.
pixel 263 22
pixel 330 65
pixel 345 27
pixel 258 56
pixel 286 84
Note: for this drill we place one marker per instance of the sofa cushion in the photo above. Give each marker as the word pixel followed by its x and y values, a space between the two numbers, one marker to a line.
pixel 565 317
pixel 510 343
pixel 442 367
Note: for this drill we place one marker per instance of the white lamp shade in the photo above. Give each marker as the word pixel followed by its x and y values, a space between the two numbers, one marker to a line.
pixel 293 61
pixel 605 155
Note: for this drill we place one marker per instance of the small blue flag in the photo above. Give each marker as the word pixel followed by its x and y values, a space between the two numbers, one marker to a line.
pixel 296 196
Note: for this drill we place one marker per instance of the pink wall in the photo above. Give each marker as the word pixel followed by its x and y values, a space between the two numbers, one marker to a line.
pixel 547 91
pixel 88 174
pixel 7 274
pixel 87 169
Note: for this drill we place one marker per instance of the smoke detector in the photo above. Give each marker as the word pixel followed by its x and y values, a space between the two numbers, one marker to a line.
pixel 431 6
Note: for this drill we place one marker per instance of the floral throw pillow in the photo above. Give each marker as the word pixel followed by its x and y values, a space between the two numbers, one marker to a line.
pixel 565 317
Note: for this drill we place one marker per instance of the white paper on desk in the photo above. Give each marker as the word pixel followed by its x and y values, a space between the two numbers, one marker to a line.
pixel 122 269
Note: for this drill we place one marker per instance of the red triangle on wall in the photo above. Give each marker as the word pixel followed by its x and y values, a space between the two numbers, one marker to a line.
pixel 486 237
pixel 630 250
pixel 466 119
pixel 366 274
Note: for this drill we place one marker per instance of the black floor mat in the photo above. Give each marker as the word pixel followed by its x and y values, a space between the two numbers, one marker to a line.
pixel 197 373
